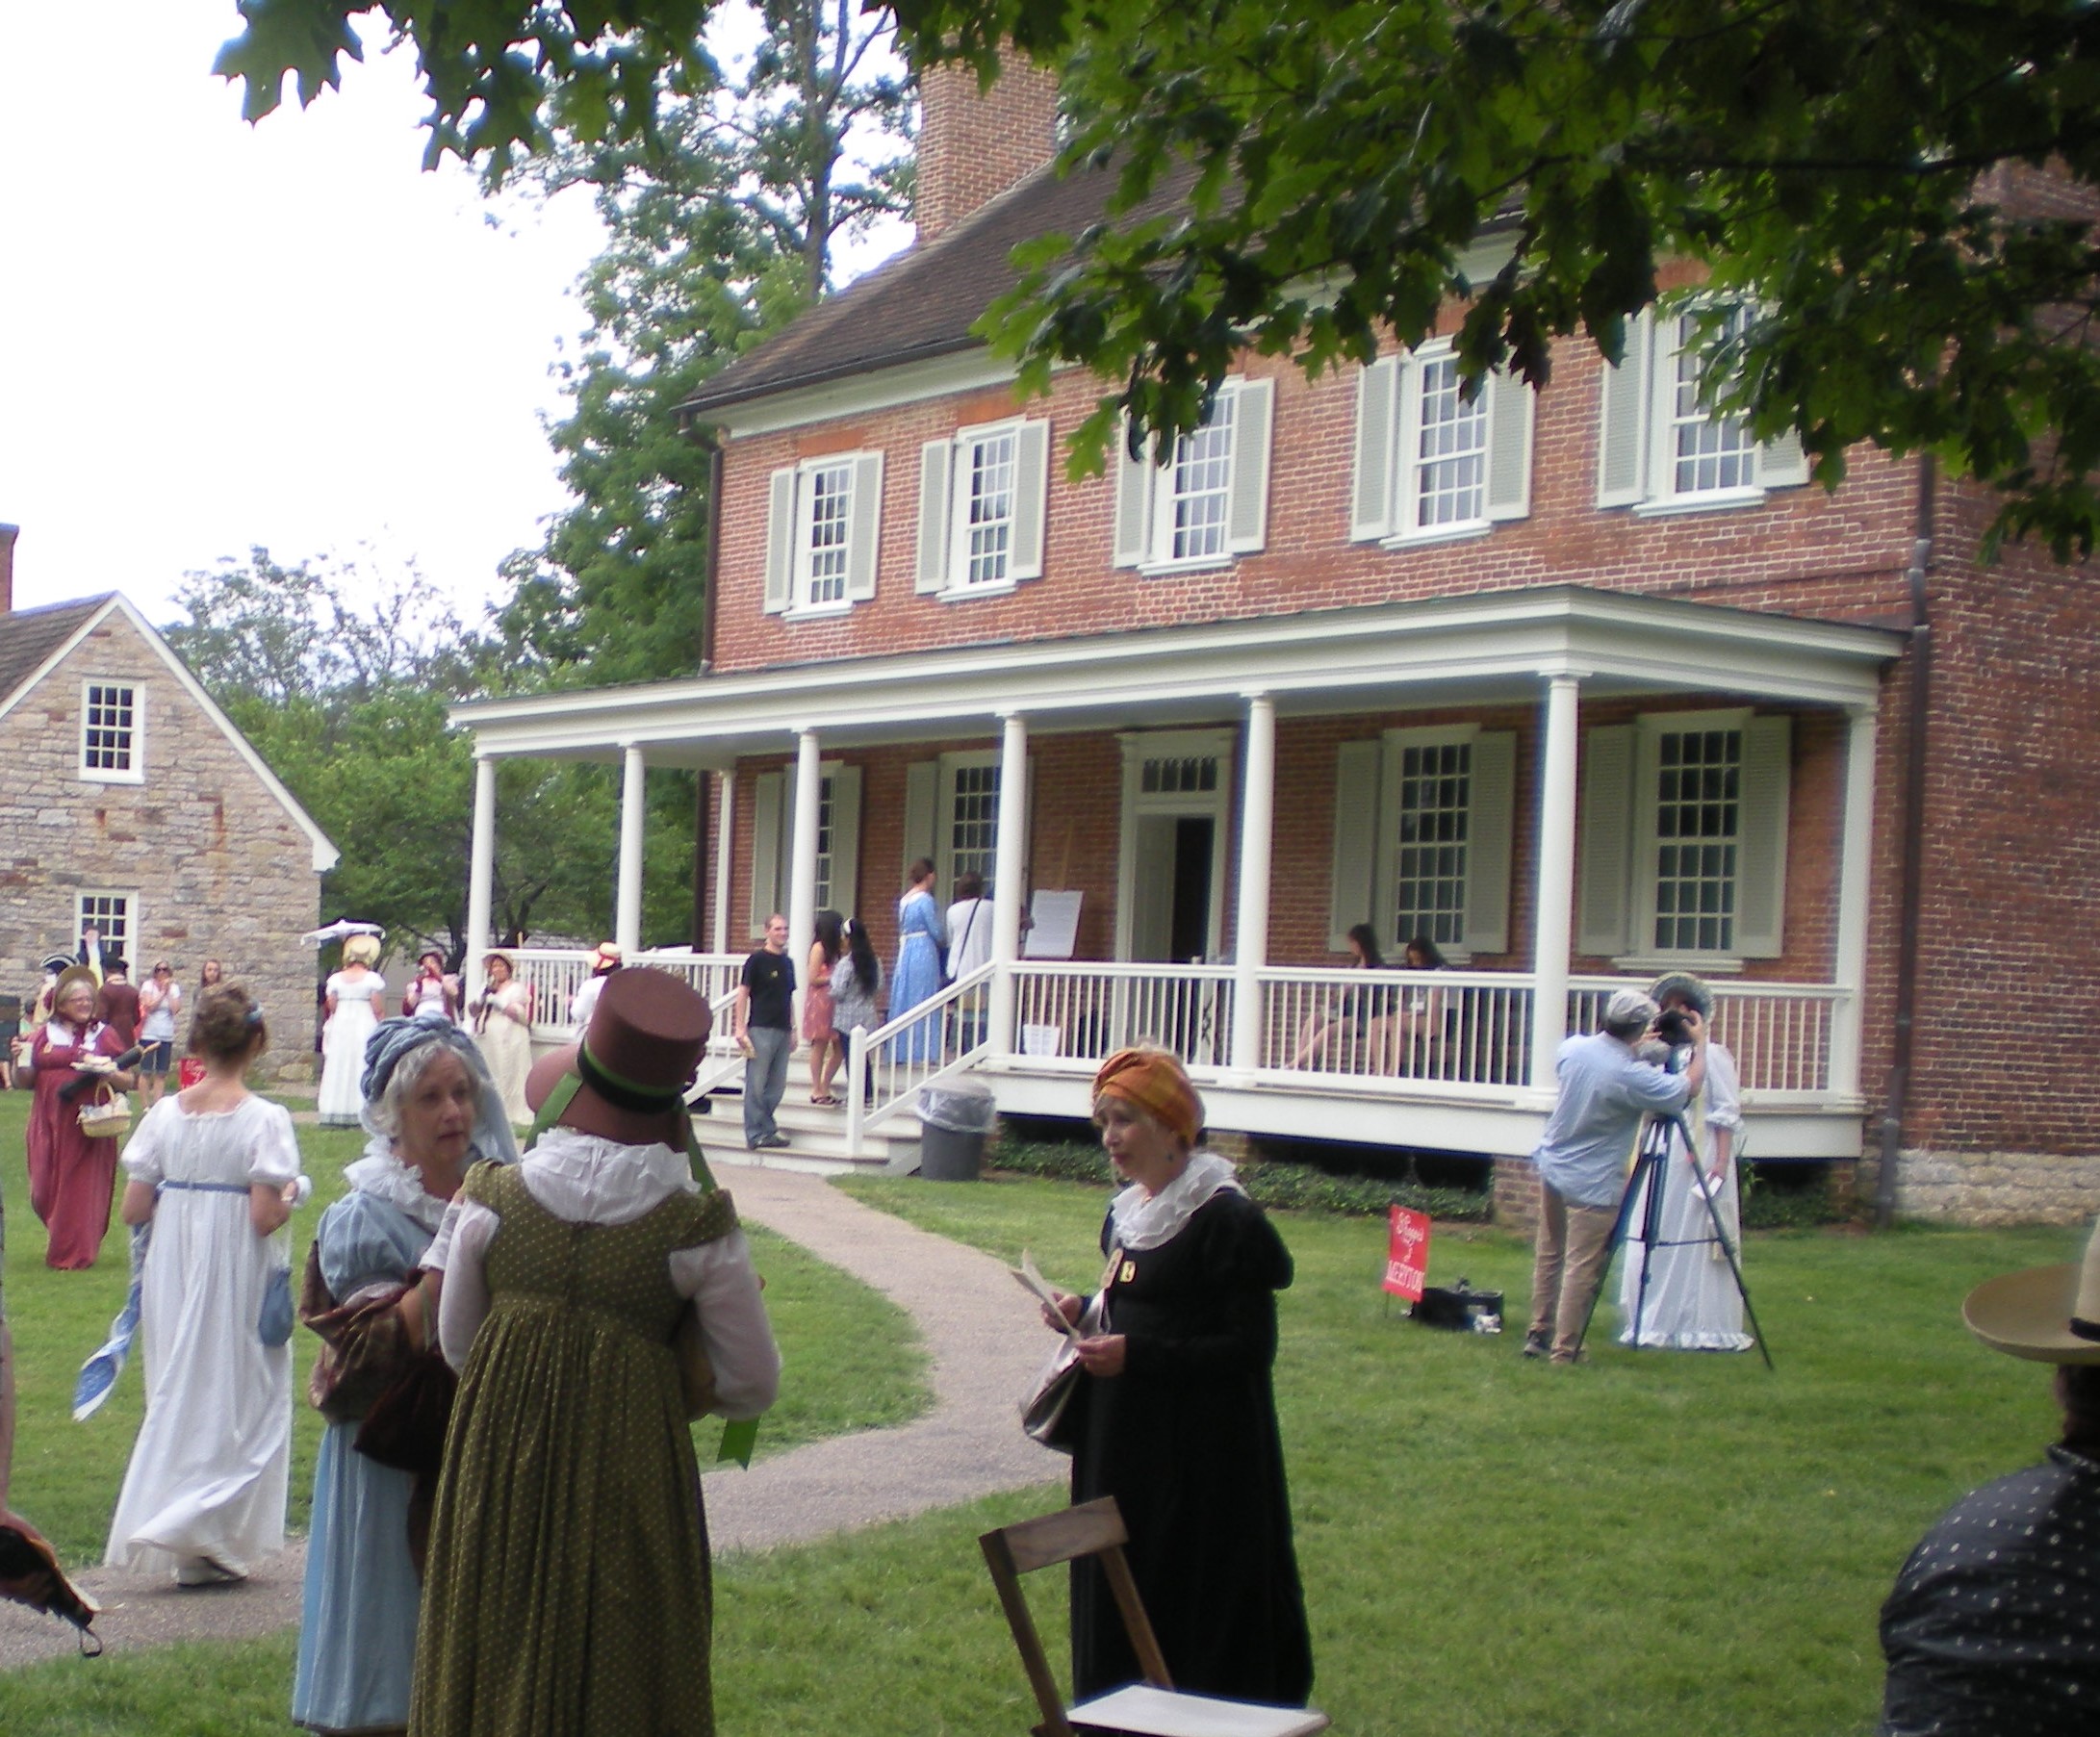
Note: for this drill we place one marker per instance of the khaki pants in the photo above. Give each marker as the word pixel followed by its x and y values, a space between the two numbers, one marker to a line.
pixel 1573 1249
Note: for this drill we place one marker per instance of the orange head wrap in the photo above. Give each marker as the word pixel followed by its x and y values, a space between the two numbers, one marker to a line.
pixel 1153 1081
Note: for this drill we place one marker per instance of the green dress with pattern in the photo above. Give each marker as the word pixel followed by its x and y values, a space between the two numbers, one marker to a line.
pixel 569 1592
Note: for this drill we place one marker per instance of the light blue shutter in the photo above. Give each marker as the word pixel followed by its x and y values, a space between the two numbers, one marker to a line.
pixel 921 798
pixel 1135 482
pixel 780 542
pixel 1760 850
pixel 1602 899
pixel 1356 776
pixel 1371 494
pixel 1623 418
pixel 1246 510
pixel 1031 499
pixel 864 533
pixel 936 465
pixel 766 809
pixel 1509 449
pixel 1490 821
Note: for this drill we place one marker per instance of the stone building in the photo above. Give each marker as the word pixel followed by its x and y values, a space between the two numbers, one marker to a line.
pixel 1583 686
pixel 132 802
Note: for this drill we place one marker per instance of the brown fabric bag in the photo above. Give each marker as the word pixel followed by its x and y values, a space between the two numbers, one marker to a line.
pixel 364 1345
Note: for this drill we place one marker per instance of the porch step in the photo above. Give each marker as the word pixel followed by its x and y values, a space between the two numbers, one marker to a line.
pixel 817 1138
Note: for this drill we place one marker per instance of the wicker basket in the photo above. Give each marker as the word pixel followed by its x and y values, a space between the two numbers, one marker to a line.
pixel 107 1116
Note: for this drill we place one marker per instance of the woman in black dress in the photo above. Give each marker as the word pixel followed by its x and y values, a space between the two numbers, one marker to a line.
pixel 1175 1416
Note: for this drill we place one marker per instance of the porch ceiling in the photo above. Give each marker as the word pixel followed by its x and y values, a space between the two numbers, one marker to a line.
pixel 1487 649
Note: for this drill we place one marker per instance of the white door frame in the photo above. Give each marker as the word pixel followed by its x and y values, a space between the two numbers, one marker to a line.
pixel 1216 804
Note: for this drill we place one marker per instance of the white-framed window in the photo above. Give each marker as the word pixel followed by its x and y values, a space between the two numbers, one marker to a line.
pixel 1425 819
pixel 1430 463
pixel 112 731
pixel 982 506
pixel 823 527
pixel 1684 826
pixel 113 916
pixel 1661 448
pixel 1209 501
pixel 951 816
pixel 772 841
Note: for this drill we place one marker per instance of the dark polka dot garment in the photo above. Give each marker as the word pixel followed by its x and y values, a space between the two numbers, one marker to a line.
pixel 1993 1629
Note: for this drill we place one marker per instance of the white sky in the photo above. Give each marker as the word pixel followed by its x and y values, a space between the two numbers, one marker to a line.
pixel 218 335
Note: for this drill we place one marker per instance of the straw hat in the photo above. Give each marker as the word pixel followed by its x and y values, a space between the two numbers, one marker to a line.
pixel 2045 1313
pixel 645 1037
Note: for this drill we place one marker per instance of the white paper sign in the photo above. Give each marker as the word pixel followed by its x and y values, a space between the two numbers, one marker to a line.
pixel 1056 932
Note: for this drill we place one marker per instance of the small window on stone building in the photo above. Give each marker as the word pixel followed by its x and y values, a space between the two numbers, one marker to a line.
pixel 113 916
pixel 111 732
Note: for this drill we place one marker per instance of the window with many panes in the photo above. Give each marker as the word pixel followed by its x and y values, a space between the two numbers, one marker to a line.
pixel 1697 831
pixel 823 843
pixel 109 731
pixel 1433 461
pixel 1434 820
pixel 827 504
pixel 985 499
pixel 973 823
pixel 1196 488
pixel 1705 453
pixel 1181 776
pixel 112 916
pixel 1446 469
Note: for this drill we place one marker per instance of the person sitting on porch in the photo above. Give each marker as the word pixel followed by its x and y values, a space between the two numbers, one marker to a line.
pixel 1407 1028
pixel 1349 1014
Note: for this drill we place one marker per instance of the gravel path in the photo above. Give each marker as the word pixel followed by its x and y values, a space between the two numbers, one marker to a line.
pixel 985 1345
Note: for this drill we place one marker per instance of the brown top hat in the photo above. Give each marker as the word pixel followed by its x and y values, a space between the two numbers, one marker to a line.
pixel 2044 1314
pixel 645 1037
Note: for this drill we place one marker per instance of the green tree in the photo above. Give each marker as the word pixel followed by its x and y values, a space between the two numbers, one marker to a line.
pixel 1849 168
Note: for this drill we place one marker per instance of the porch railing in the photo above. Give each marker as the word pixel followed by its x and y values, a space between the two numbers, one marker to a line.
pixel 1083 1012
pixel 1779 1033
pixel 933 1040
pixel 1448 1028
pixel 555 974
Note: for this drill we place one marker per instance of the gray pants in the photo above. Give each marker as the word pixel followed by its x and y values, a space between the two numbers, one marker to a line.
pixel 765 1080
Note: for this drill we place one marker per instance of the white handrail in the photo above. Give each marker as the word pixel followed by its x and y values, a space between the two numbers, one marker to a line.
pixel 923 1027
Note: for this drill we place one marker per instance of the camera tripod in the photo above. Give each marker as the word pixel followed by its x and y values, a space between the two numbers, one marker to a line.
pixel 1650 1165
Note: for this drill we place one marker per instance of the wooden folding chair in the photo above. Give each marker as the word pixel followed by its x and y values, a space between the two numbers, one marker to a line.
pixel 1152 1708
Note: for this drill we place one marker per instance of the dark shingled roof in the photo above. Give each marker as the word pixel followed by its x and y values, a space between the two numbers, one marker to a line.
pixel 922 303
pixel 29 636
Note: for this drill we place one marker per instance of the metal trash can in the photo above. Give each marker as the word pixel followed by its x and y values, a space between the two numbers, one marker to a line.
pixel 954 1120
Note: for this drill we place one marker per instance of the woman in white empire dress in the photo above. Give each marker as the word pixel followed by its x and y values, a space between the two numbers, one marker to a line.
pixel 356 998
pixel 215 1171
pixel 1691 1302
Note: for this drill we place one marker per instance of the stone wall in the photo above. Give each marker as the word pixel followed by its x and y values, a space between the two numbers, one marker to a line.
pixel 1989 1187
pixel 213 864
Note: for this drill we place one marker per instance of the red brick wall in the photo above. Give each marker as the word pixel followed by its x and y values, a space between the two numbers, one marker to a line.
pixel 973 144
pixel 1801 550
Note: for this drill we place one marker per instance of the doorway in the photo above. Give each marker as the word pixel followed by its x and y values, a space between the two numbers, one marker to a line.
pixel 1177 793
pixel 1172 914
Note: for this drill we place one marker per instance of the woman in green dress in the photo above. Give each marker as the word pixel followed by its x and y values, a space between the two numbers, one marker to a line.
pixel 567 1592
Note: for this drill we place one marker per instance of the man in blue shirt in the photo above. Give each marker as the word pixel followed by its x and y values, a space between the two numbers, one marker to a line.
pixel 1605 1089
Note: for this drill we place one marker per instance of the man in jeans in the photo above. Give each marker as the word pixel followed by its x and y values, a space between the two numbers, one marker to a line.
pixel 764 1015
pixel 1583 1159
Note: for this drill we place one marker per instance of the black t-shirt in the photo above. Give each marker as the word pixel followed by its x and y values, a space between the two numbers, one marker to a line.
pixel 770 979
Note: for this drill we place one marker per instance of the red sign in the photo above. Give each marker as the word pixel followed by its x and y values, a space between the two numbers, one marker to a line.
pixel 1407 1253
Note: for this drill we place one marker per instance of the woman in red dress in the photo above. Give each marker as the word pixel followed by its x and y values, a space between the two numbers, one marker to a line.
pixel 70 1176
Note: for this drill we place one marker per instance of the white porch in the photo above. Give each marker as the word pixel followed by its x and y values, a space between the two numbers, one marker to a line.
pixel 1477 1074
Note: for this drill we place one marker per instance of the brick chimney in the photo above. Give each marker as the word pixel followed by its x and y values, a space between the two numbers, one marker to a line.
pixel 7 534
pixel 974 144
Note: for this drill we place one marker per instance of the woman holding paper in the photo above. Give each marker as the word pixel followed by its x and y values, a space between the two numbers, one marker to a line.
pixel 1175 1416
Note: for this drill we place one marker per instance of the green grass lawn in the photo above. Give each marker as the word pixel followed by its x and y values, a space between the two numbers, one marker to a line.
pixel 853 1358
pixel 1655 1543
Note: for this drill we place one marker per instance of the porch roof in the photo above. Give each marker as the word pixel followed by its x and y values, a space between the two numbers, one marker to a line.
pixel 1488 647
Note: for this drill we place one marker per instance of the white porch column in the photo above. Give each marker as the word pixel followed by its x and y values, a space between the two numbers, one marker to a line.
pixel 802 861
pixel 1250 922
pixel 1552 927
pixel 627 922
pixel 480 871
pixel 1855 868
pixel 725 843
pixel 1011 846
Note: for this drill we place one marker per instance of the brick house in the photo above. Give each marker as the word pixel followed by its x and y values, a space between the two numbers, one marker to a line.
pixel 133 802
pixel 1583 685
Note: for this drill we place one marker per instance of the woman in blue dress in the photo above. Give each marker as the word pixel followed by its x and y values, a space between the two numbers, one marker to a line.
pixel 917 977
pixel 431 1110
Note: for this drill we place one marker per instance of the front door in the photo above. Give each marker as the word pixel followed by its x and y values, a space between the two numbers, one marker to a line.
pixel 1177 793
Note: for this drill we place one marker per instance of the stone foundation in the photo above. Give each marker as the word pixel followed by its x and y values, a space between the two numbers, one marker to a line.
pixel 1988 1187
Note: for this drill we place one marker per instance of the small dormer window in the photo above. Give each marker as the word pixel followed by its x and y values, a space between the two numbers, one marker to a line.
pixel 112 734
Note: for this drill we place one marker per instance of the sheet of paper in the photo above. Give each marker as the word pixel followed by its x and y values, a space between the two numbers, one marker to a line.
pixel 1038 1286
pixel 1056 931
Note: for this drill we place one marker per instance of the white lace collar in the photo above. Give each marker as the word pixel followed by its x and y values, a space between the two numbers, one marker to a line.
pixel 1142 1223
pixel 382 1174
